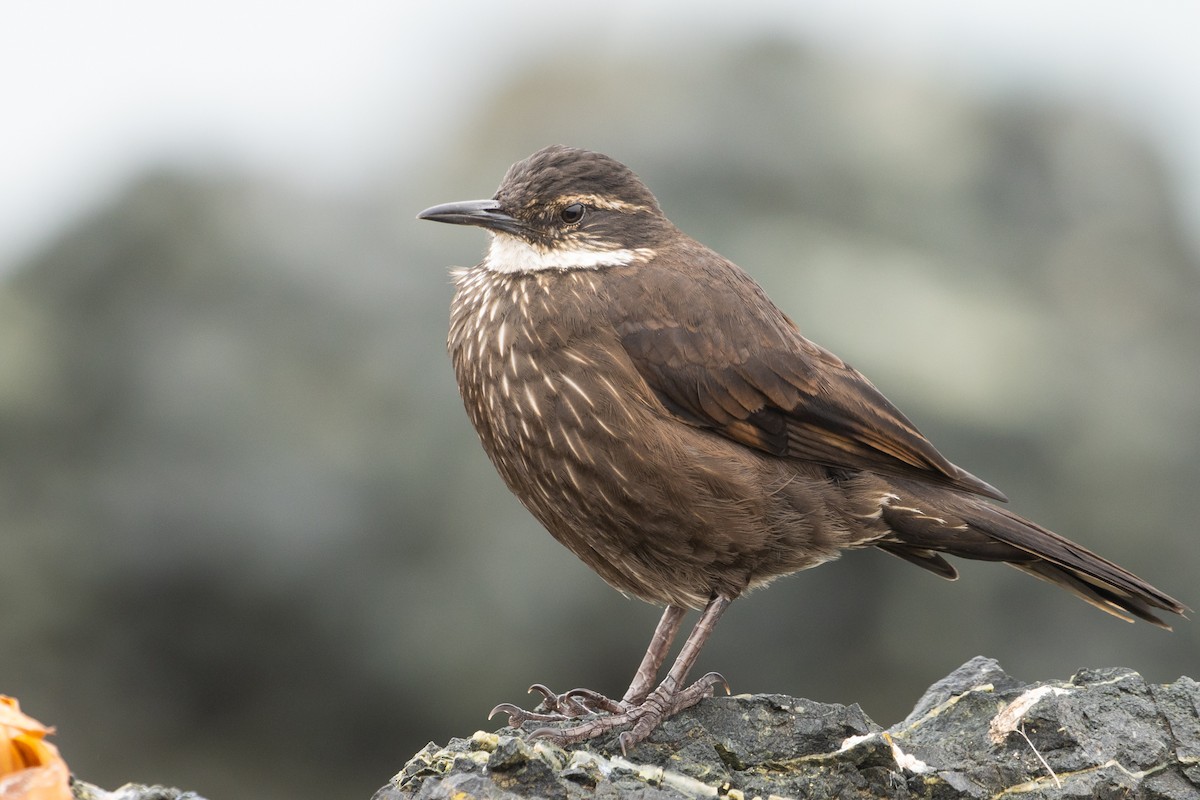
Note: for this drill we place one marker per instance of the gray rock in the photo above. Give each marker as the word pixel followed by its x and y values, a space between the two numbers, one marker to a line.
pixel 130 791
pixel 978 733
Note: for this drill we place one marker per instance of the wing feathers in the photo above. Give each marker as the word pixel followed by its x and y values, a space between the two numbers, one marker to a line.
pixel 844 422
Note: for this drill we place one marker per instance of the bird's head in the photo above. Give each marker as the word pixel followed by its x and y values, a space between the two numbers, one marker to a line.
pixel 564 208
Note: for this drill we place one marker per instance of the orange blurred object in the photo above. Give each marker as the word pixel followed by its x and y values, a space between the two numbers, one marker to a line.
pixel 30 767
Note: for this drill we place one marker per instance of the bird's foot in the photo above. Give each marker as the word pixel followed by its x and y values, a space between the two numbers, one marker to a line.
pixel 559 707
pixel 644 717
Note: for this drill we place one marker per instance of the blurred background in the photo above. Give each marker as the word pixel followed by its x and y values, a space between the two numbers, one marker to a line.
pixel 248 541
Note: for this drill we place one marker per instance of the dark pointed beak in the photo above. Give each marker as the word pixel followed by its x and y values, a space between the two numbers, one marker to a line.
pixel 483 213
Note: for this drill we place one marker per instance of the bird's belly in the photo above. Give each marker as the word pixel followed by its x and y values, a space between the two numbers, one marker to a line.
pixel 659 509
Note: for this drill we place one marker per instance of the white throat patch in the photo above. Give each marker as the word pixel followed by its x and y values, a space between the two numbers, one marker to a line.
pixel 513 254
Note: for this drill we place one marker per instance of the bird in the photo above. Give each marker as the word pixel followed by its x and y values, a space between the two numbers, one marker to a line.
pixel 664 420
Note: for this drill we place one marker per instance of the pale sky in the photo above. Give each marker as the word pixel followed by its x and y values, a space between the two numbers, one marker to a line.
pixel 316 92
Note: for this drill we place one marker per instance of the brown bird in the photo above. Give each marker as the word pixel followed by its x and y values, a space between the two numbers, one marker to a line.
pixel 663 419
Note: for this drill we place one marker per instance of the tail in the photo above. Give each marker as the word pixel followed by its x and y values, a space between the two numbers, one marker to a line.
pixel 928 522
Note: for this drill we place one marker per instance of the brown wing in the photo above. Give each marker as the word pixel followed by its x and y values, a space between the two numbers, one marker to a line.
pixel 731 362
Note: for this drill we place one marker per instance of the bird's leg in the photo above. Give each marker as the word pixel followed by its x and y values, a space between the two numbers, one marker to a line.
pixel 665 700
pixel 656 654
pixel 581 702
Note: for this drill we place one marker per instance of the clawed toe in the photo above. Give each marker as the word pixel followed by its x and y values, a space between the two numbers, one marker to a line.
pixel 564 707
pixel 595 702
pixel 643 717
pixel 518 716
pixel 702 688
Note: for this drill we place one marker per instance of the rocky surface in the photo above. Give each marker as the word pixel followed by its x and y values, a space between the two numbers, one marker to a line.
pixel 81 790
pixel 978 733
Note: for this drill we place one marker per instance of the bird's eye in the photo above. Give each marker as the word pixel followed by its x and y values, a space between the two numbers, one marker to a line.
pixel 572 213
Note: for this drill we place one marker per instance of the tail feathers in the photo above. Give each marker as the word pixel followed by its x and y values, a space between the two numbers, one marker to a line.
pixel 1120 604
pixel 961 526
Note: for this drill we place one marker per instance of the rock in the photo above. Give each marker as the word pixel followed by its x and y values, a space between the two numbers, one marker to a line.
pixel 130 791
pixel 977 733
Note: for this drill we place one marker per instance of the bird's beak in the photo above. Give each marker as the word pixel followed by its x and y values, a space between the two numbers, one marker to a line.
pixel 483 213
